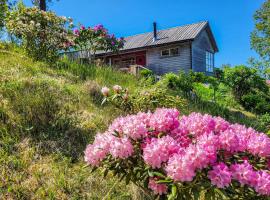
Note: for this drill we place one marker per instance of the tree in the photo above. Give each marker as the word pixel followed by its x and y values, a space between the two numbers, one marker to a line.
pixel 248 88
pixel 3 11
pixel 260 37
pixel 42 4
pixel 42 34
pixel 93 39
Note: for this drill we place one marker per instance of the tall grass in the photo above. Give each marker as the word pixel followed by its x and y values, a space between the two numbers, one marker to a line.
pixel 47 116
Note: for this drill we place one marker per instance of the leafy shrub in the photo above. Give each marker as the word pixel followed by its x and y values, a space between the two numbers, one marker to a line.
pixel 146 73
pixel 142 100
pixel 42 34
pixel 256 102
pixel 182 81
pixel 196 156
pixel 243 80
pixel 264 123
pixel 96 39
pixel 248 88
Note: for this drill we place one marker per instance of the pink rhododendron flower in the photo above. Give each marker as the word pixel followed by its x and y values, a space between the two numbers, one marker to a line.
pixel 229 141
pixel 259 144
pixel 164 120
pixel 181 137
pixel 76 32
pixel 220 125
pixel 244 174
pixel 159 150
pixel 182 147
pixel 220 175
pixel 263 183
pixel 179 168
pixel 134 127
pixel 121 148
pixel 197 124
pixel 97 151
pixel 157 188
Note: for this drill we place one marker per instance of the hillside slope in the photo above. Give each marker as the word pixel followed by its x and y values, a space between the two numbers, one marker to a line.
pixel 48 114
pixel 47 117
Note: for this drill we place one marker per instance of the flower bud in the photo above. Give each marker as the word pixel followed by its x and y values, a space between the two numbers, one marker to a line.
pixel 117 88
pixel 105 91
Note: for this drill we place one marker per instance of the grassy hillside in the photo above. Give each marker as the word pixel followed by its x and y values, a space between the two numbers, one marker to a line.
pixel 48 114
pixel 47 117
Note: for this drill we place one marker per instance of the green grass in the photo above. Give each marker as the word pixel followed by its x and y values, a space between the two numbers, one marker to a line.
pixel 47 117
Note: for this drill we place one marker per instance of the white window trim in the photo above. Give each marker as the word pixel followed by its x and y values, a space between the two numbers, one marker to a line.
pixel 170 54
pixel 209 61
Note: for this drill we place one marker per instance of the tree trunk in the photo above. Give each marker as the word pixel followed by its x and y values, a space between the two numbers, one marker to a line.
pixel 42 5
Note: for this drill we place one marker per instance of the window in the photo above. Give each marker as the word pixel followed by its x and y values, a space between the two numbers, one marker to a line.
pixel 165 52
pixel 170 52
pixel 174 52
pixel 209 59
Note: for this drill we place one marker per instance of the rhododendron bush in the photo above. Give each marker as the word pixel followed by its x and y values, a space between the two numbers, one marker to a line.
pixel 187 157
pixel 96 38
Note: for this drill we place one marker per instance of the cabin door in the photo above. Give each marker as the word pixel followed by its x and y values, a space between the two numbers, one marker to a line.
pixel 141 60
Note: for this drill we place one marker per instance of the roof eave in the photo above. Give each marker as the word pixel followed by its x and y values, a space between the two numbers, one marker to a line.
pixel 143 48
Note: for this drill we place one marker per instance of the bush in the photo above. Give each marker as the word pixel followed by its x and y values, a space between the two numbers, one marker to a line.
pixel 243 80
pixel 194 157
pixel 96 39
pixel 144 100
pixel 42 34
pixel 182 82
pixel 264 123
pixel 256 102
pixel 248 88
pixel 146 73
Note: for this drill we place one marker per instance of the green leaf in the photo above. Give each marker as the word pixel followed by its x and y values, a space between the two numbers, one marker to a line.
pixel 196 194
pixel 159 174
pixel 150 173
pixel 164 181
pixel 174 192
pixel 103 101
pixel 221 193
pixel 106 171
pixel 94 169
pixel 128 179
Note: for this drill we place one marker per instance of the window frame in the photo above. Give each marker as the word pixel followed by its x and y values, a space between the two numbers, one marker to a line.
pixel 170 52
pixel 209 61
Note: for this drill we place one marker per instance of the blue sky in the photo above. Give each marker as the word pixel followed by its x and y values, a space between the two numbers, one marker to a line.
pixel 231 20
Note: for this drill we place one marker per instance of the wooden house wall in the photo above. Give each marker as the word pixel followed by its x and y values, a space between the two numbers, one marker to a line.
pixel 199 47
pixel 173 64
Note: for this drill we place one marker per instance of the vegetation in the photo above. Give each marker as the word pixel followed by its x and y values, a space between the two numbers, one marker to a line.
pixel 48 113
pixel 260 38
pixel 47 116
pixel 50 109
pixel 196 156
pixel 96 39
pixel 248 88
pixel 3 10
pixel 42 34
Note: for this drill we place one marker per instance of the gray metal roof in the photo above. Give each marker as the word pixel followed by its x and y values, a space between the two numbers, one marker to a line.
pixel 171 35
pixel 180 33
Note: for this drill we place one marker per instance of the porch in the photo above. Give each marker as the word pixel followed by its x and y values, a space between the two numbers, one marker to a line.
pixel 124 61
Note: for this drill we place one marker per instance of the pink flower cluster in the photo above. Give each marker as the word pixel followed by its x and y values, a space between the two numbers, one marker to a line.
pixel 107 143
pixel 159 150
pixel 157 188
pixel 182 146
